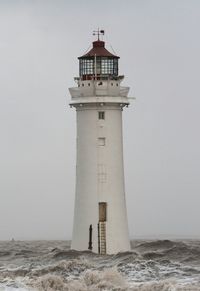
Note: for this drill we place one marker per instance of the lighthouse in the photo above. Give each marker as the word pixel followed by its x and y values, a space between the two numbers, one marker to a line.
pixel 100 216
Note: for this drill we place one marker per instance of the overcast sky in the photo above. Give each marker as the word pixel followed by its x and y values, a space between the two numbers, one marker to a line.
pixel 159 45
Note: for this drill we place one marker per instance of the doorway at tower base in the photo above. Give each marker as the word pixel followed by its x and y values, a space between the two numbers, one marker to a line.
pixel 102 228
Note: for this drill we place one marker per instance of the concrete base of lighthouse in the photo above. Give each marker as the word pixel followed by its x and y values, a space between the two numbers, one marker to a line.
pixel 100 195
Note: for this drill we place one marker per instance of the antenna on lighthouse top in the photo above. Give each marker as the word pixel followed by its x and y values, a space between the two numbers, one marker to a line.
pixel 98 32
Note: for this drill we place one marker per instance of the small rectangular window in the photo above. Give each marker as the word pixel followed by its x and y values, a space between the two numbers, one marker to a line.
pixel 101 141
pixel 101 115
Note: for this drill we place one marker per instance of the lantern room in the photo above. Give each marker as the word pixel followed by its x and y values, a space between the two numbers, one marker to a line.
pixel 98 63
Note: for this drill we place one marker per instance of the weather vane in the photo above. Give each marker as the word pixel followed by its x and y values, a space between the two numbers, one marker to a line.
pixel 98 32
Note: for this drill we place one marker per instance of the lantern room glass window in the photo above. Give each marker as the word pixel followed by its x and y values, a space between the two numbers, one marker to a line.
pixel 86 67
pixel 105 66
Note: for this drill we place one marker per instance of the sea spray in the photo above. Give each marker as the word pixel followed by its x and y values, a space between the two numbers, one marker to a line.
pixel 109 279
pixel 51 265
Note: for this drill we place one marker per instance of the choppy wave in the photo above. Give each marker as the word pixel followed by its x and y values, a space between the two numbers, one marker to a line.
pixel 161 265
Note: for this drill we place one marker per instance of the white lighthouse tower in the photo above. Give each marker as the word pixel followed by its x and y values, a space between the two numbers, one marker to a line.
pixel 100 217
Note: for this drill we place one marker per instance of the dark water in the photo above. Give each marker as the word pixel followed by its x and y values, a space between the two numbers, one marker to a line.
pixel 50 265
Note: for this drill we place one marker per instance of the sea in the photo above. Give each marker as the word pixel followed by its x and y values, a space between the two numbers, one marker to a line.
pixel 151 265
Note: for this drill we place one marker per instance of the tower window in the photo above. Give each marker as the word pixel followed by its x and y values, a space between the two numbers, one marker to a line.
pixel 101 141
pixel 101 115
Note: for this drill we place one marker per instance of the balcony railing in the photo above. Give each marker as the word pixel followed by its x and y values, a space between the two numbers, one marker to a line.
pixel 98 91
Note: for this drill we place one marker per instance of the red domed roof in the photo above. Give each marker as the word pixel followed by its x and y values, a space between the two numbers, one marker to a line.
pixel 98 50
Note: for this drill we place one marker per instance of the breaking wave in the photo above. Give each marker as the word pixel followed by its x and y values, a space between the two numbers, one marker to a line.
pixel 161 265
pixel 91 280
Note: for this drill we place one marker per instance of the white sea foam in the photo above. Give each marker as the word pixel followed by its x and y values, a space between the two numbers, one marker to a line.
pixel 51 266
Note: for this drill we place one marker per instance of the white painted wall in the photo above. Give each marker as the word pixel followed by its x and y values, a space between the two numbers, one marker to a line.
pixel 100 175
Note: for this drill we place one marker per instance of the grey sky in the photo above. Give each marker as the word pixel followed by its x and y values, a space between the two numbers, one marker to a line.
pixel 158 42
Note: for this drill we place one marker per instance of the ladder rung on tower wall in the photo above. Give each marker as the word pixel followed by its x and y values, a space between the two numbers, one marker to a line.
pixel 102 232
